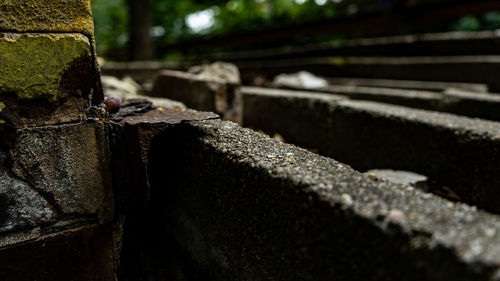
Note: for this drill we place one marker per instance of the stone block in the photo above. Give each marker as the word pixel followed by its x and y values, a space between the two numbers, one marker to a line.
pixel 214 94
pixel 39 65
pixel 80 254
pixel 47 16
pixel 459 153
pixel 44 78
pixel 68 165
pixel 453 151
pixel 467 103
pixel 235 203
pixel 300 117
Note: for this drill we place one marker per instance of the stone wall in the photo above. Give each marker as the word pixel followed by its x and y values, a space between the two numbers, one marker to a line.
pixel 56 197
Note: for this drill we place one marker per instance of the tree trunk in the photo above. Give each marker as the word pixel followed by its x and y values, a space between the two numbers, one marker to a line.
pixel 141 21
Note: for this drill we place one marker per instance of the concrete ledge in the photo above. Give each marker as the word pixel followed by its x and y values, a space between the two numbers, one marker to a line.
pixel 471 104
pixel 408 84
pixel 234 203
pixel 463 69
pixel 299 116
pixel 458 152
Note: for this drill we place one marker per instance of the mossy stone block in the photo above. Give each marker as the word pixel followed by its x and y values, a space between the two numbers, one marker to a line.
pixel 46 15
pixel 34 66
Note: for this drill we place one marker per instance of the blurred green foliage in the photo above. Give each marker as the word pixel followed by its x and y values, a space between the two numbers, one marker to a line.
pixel 111 24
pixel 171 17
pixel 111 19
pixel 490 21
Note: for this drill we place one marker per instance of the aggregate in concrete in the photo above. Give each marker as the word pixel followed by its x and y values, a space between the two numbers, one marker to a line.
pixel 238 205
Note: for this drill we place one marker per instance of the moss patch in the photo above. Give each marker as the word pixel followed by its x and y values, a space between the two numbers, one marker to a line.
pixel 46 15
pixel 32 65
pixel 2 106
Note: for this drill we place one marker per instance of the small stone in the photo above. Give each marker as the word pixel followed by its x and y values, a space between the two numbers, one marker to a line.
pixel 401 177
pixel 346 199
pixel 396 215
pixel 113 103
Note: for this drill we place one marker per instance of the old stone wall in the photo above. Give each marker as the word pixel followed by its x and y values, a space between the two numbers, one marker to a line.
pixel 56 199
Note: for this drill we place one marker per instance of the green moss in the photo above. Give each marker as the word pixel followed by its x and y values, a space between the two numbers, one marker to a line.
pixel 46 15
pixel 32 65
pixel 2 106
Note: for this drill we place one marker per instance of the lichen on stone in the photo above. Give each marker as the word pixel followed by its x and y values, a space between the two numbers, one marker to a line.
pixel 2 106
pixel 32 65
pixel 46 16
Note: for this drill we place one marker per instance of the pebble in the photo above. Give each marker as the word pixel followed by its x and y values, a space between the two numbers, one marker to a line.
pixel 347 199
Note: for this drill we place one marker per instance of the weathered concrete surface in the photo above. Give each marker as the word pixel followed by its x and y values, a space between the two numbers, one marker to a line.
pixel 481 105
pixel 238 205
pixel 458 152
pixel 46 15
pixel 300 117
pixel 412 98
pixel 80 254
pixel 471 104
pixel 463 69
pixel 214 94
pixel 401 177
pixel 68 164
pixel 408 84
